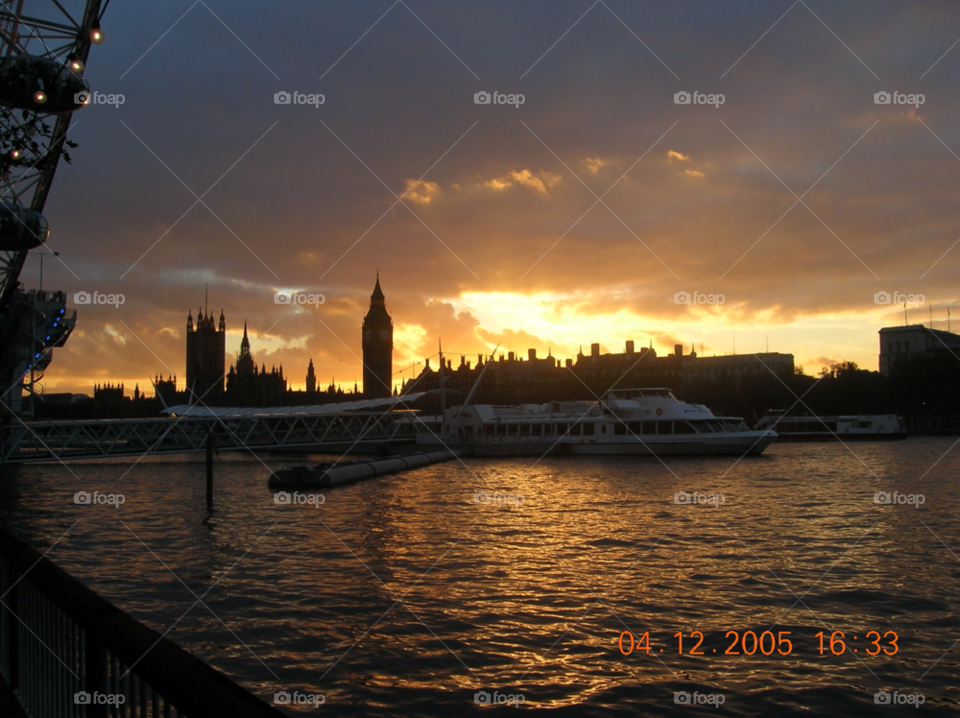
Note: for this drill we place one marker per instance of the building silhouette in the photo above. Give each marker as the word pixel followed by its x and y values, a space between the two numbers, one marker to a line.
pixel 166 389
pixel 915 340
pixel 377 347
pixel 206 356
pixel 108 400
pixel 513 380
pixel 311 379
pixel 249 386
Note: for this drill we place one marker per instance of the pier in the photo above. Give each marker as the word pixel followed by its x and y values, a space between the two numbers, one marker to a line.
pixel 358 427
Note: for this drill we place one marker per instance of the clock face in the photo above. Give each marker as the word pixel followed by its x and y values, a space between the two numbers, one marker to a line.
pixel 367 334
pixel 384 334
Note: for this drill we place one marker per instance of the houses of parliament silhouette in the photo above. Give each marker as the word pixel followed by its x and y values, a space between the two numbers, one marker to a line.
pixel 511 379
pixel 244 384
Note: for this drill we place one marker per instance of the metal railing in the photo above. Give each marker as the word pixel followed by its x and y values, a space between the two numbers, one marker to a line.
pixel 65 652
pixel 64 440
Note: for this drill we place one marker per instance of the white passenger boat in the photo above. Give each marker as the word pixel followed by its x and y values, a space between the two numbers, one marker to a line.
pixel 873 427
pixel 626 421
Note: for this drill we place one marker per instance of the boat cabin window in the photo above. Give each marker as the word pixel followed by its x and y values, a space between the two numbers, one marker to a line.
pixel 683 427
pixel 524 429
pixel 588 429
pixel 620 429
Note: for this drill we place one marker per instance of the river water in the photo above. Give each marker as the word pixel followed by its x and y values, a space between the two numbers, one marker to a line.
pixel 414 595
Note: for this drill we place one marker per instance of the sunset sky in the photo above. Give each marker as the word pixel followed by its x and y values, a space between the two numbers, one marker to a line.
pixel 500 237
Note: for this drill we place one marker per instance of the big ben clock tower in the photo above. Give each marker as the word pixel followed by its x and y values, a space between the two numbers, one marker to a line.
pixel 377 348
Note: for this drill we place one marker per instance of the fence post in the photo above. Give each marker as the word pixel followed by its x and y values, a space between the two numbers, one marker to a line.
pixel 95 676
pixel 12 627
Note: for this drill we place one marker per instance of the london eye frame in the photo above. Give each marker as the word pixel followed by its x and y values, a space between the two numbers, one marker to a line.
pixel 44 45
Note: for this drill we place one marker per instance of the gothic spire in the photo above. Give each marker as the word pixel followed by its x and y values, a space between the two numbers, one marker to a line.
pixel 377 295
pixel 245 342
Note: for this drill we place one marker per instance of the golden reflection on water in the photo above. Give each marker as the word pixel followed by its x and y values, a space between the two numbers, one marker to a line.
pixel 525 597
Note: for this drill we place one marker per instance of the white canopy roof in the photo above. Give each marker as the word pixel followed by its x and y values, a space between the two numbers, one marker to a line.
pixel 400 402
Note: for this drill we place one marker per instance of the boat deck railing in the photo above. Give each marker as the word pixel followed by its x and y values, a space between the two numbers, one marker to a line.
pixel 67 652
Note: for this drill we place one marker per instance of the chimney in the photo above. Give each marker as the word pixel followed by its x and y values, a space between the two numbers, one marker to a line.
pixel 531 354
pixel 510 356
pixel 594 350
pixel 678 350
pixel 630 347
pixel 428 364
pixel 569 363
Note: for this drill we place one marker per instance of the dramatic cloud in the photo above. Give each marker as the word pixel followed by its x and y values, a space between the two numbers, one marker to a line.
pixel 705 200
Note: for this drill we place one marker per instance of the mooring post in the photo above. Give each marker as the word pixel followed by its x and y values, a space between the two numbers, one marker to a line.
pixel 211 447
